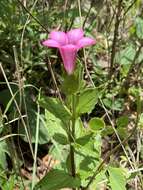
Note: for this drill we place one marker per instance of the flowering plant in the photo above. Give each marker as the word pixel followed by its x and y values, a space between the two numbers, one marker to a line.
pixel 68 44
pixel 84 146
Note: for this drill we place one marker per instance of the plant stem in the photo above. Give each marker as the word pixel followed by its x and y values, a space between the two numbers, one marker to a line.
pixel 72 150
pixel 115 38
pixel 72 136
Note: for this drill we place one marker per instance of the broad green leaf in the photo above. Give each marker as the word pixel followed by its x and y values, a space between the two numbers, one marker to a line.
pixel 89 145
pixel 99 181
pixel 122 121
pixel 57 179
pixel 86 163
pixel 96 124
pixel 85 139
pixel 54 125
pixel 85 166
pixel 60 138
pixel 117 179
pixel 54 106
pixel 43 131
pixel 87 101
pixel 60 153
pixel 126 56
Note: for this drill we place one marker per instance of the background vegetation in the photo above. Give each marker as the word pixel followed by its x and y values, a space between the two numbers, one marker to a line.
pixel 114 66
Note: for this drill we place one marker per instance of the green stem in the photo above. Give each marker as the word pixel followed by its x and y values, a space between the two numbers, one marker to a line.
pixel 72 137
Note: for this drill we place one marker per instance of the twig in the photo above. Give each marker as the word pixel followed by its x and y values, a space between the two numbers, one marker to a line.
pixel 132 4
pixel 85 62
pixel 91 5
pixel 53 78
pixel 113 48
pixel 32 16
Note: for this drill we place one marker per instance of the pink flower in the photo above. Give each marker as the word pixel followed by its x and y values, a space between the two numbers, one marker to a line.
pixel 68 44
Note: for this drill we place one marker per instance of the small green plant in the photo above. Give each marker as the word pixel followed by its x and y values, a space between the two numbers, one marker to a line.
pixel 80 146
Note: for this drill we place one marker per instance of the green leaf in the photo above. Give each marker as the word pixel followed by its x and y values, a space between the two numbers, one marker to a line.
pixel 70 84
pixel 60 138
pixel 122 121
pixel 99 181
pixel 139 27
pixel 3 151
pixel 126 56
pixel 85 139
pixel 7 100
pixel 108 130
pixel 85 166
pixel 43 131
pixel 96 124
pixel 57 179
pixel 54 106
pixel 9 184
pixel 114 105
pixel 54 125
pixel 87 101
pixel 117 178
pixel 89 145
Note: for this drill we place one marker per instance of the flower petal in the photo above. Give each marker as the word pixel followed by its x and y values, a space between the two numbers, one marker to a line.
pixel 68 54
pixel 86 41
pixel 51 43
pixel 59 37
pixel 74 35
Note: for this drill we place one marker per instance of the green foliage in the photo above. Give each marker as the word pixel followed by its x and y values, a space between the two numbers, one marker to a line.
pixel 57 179
pixel 3 152
pixel 139 27
pixel 92 126
pixel 87 101
pixel 88 155
pixel 122 123
pixel 99 181
pixel 55 128
pixel 73 83
pixel 54 106
pixel 8 184
pixel 96 124
pixel 117 179
pixel 114 105
pixel 70 84
pixel 7 100
pixel 43 132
